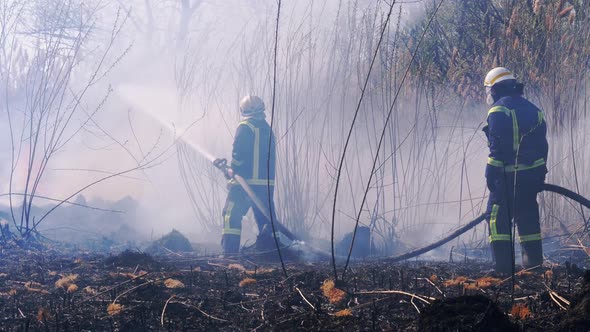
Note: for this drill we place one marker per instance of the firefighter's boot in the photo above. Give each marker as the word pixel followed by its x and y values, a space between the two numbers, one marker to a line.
pixel 532 254
pixel 230 244
pixel 502 252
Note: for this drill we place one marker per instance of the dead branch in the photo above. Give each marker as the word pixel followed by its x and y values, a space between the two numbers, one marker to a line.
pixel 164 310
pixel 306 301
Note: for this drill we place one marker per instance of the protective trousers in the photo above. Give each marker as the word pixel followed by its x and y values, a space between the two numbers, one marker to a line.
pixel 519 203
pixel 236 206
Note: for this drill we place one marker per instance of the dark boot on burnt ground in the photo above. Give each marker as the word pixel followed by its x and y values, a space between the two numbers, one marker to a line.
pixel 532 255
pixel 502 252
pixel 265 247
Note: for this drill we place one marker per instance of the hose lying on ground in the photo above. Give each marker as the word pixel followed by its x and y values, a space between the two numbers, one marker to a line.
pixel 546 187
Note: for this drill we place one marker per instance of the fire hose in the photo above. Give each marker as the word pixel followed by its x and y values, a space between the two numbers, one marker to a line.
pixel 222 165
pixel 546 187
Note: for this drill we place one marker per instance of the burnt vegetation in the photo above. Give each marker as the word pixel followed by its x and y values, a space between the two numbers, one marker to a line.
pixel 422 91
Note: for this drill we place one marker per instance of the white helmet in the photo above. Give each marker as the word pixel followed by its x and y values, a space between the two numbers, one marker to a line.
pixel 251 105
pixel 497 75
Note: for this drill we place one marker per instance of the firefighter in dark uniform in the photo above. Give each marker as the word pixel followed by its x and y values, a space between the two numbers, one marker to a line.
pixel 253 158
pixel 516 169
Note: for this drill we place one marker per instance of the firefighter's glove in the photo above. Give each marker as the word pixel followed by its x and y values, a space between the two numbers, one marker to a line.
pixel 221 163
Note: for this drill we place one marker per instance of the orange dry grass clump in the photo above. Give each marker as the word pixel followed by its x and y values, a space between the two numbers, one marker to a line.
pixel 343 313
pixel 114 309
pixel 486 282
pixel 238 267
pixel 42 314
pixel 260 270
pixel 548 274
pixel 333 294
pixel 524 273
pixel 66 281
pixel 520 311
pixel 90 290
pixel 247 281
pixel 32 286
pixel 455 282
pixel 72 288
pixel 173 283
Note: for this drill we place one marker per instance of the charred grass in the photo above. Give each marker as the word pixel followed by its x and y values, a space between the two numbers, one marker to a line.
pixel 51 291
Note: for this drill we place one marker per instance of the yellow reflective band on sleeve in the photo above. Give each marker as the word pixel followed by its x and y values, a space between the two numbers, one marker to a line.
pixel 524 167
pixel 496 109
pixel 494 162
pixel 515 131
pixel 541 117
pixel 231 231
pixel 530 237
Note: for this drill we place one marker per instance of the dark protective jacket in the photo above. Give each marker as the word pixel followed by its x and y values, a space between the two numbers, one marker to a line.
pixel 516 133
pixel 250 155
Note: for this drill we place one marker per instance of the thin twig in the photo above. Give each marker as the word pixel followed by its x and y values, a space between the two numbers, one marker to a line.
pixel 430 282
pixel 304 299
pixel 164 310
pixel 419 297
pixel 202 312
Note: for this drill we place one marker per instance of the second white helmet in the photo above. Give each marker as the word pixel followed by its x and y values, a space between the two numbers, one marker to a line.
pixel 497 75
pixel 251 105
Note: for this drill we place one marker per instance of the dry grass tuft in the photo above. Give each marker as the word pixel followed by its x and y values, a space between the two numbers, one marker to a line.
pixel 433 278
pixel 35 287
pixel 173 283
pixel 455 282
pixel 537 6
pixel 238 267
pixel 72 288
pixel 333 294
pixel 525 273
pixel 343 313
pixel 487 282
pixel 549 275
pixel 42 314
pixel 247 281
pixel 260 270
pixel 565 11
pixel 520 311
pixel 114 309
pixel 90 290
pixel 52 273
pixel 66 281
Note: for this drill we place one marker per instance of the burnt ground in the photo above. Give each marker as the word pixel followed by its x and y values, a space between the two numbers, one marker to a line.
pixel 51 291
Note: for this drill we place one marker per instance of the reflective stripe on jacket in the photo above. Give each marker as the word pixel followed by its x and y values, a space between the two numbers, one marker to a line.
pixel 516 132
pixel 250 155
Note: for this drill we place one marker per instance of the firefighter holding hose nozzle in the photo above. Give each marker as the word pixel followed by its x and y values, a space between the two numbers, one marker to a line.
pixel 516 169
pixel 253 158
